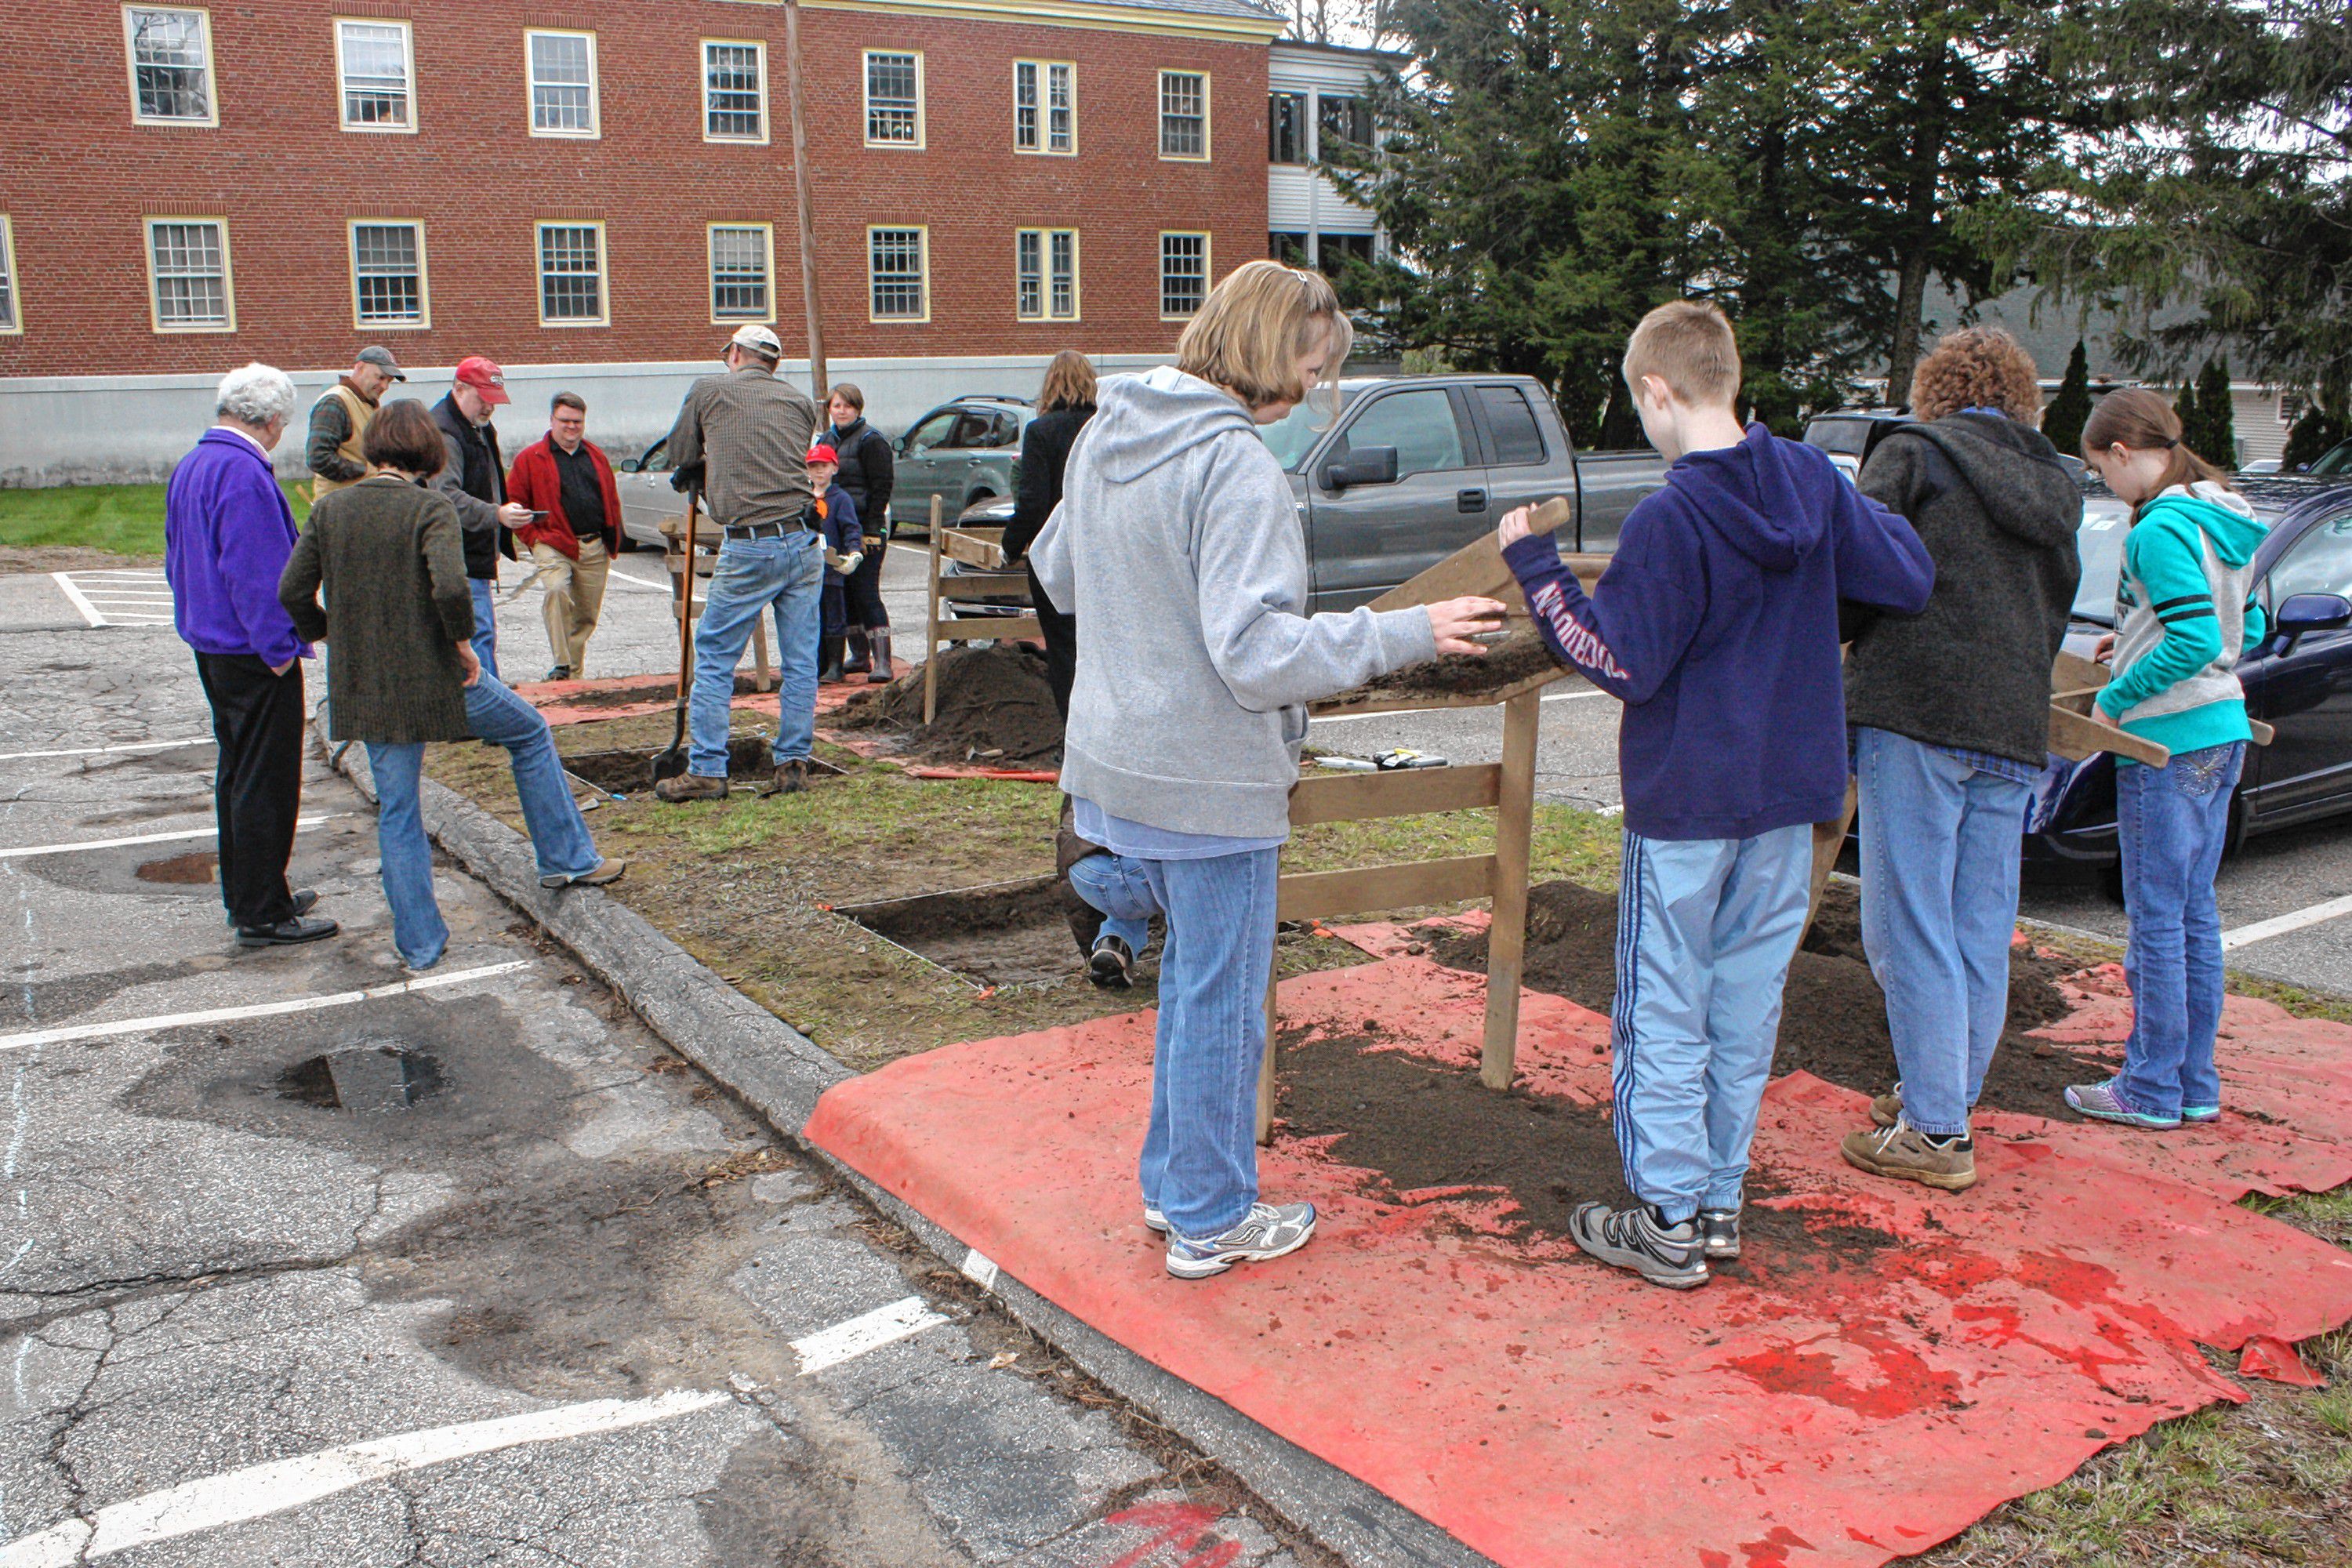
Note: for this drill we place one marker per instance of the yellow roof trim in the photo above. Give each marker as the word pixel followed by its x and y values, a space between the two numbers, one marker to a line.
pixel 1069 14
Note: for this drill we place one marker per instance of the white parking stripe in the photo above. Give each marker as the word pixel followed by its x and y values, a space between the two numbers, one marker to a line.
pixel 258 1491
pixel 866 1331
pixel 99 751
pixel 618 575
pixel 259 1010
pixel 32 849
pixel 74 595
pixel 2279 925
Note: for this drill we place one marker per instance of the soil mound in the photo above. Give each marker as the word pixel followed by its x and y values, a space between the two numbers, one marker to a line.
pixel 1507 660
pixel 995 708
pixel 1834 1017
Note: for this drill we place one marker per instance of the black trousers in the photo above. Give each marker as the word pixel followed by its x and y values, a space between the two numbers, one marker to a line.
pixel 1061 634
pixel 257 789
pixel 864 586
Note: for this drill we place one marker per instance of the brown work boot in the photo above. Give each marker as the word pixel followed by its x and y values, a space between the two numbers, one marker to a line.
pixel 1886 1110
pixel 1907 1154
pixel 790 778
pixel 604 873
pixel 691 786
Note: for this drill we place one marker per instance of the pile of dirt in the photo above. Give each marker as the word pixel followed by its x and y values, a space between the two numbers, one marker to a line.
pixel 994 708
pixel 1509 660
pixel 1833 1018
pixel 1422 1124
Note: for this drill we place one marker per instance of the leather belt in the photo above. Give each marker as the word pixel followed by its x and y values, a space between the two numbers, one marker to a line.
pixel 761 530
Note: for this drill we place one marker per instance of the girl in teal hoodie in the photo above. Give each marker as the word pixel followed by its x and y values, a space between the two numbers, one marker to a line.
pixel 2185 614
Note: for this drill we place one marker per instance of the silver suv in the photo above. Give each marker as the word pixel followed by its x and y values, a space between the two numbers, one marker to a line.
pixel 965 452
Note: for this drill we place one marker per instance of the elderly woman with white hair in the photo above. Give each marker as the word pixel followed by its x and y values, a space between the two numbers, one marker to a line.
pixel 228 532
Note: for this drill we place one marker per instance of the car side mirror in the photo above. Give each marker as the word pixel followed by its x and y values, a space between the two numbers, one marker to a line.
pixel 2304 613
pixel 631 466
pixel 1362 466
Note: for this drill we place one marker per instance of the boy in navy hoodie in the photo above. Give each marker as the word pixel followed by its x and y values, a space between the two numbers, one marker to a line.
pixel 1717 624
pixel 833 516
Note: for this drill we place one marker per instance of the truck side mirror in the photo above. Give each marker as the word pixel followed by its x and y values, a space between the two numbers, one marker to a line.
pixel 1362 466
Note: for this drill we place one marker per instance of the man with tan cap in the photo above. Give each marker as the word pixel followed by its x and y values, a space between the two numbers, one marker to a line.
pixel 340 420
pixel 475 481
pixel 744 438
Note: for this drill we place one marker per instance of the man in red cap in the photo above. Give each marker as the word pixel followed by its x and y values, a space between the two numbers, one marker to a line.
pixel 475 481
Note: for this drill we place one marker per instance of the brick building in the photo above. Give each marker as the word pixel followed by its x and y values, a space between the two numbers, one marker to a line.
pixel 605 191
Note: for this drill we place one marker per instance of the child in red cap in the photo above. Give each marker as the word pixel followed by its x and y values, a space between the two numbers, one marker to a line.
pixel 835 519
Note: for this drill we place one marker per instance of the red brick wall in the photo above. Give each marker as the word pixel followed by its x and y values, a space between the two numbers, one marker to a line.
pixel 77 177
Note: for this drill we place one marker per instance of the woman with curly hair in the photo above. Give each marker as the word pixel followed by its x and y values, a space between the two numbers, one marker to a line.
pixel 1950 713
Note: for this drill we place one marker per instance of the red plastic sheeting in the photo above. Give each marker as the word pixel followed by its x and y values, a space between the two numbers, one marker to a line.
pixel 1546 1410
pixel 2278 1361
pixel 562 702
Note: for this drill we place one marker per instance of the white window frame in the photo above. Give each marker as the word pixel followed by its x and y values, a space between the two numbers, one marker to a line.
pixel 1045 275
pixel 211 117
pixel 866 100
pixel 923 260
pixel 1042 126
pixel 1159 117
pixel 1208 269
pixel 15 325
pixel 767 233
pixel 603 316
pixel 147 226
pixel 760 52
pixel 531 85
pixel 424 321
pixel 407 31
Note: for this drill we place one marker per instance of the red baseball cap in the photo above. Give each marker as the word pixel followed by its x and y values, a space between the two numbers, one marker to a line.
pixel 824 453
pixel 485 377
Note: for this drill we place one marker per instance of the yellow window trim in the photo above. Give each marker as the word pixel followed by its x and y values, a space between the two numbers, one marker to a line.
pixel 1158 111
pixel 923 229
pixel 539 273
pixel 16 329
pixel 212 73
pixel 1208 266
pixel 423 274
pixel 408 63
pixel 702 92
pixel 228 273
pixel 1046 276
pixel 1044 129
pixel 595 131
pixel 711 272
pixel 922 106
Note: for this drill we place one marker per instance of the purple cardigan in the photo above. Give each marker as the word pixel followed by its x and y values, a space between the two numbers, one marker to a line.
pixel 227 531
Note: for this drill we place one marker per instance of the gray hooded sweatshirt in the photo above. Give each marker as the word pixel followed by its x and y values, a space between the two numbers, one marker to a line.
pixel 1177 547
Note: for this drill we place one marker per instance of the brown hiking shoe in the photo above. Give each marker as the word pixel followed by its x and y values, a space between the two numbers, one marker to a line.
pixel 691 786
pixel 1905 1153
pixel 604 873
pixel 1886 1110
pixel 790 778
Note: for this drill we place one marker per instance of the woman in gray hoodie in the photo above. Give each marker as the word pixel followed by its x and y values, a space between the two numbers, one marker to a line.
pixel 1177 548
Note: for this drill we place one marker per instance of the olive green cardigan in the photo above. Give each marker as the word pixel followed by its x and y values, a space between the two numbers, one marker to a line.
pixel 389 555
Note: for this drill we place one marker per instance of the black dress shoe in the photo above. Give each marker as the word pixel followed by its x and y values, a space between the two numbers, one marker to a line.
pixel 285 934
pixel 305 900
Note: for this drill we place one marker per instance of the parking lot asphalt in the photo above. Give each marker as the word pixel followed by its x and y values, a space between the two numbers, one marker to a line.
pixel 305 1262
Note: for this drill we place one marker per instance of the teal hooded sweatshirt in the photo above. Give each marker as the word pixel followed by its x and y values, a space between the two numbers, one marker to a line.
pixel 2185 614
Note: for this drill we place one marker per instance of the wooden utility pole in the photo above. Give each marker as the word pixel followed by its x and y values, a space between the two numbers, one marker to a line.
pixel 818 381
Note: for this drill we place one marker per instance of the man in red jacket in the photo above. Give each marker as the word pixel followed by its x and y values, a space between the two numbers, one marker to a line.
pixel 575 524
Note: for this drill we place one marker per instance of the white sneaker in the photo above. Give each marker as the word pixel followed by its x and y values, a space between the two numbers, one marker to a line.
pixel 1267 1231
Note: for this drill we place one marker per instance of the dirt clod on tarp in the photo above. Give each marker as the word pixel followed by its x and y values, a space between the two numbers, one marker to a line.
pixel 1834 1015
pixel 995 708
pixel 1423 1124
pixel 1508 660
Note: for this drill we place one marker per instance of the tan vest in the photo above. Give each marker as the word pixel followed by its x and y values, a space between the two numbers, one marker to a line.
pixel 361 414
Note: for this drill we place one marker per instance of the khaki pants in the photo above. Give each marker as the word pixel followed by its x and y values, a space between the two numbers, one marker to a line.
pixel 575 597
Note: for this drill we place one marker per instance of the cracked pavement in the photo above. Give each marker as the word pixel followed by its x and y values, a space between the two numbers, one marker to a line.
pixel 202 1268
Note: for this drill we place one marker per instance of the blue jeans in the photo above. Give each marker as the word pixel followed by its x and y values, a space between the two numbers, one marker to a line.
pixel 1120 889
pixel 754 575
pixel 1939 867
pixel 2173 821
pixel 558 835
pixel 1200 1152
pixel 1706 927
pixel 485 622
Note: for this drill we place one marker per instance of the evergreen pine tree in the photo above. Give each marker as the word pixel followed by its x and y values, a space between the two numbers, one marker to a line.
pixel 2322 426
pixel 2062 420
pixel 2214 436
pixel 2184 404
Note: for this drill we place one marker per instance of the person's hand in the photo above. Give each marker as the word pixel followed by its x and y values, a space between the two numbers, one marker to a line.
pixel 2106 652
pixel 1513 527
pixel 2101 716
pixel 514 514
pixel 851 562
pixel 1456 621
pixel 471 665
pixel 281 668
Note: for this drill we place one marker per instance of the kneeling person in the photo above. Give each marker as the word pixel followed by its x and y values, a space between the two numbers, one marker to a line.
pixel 1108 900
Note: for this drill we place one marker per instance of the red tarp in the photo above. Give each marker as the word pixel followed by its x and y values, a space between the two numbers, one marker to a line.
pixel 562 702
pixel 1824 1408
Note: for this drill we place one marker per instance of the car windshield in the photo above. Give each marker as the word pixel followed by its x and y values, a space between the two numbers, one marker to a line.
pixel 2337 460
pixel 1292 435
pixel 2100 544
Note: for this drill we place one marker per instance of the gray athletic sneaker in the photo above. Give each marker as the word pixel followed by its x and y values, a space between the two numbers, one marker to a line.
pixel 1641 1239
pixel 1153 1220
pixel 1718 1232
pixel 1268 1230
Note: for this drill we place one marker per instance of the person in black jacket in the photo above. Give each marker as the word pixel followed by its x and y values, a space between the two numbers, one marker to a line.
pixel 868 474
pixel 1951 711
pixel 1064 407
pixel 475 481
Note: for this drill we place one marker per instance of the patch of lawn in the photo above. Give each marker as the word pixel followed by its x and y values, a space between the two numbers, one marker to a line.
pixel 122 520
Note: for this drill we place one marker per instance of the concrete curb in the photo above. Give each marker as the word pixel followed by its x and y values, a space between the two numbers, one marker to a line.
pixel 779 1073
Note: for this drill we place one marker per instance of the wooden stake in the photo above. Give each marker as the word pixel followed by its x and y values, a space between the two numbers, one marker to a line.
pixel 1829 837
pixel 932 628
pixel 1507 936
pixel 818 385
pixel 764 671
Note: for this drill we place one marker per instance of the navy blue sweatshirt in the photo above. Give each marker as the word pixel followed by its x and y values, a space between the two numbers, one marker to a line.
pixel 1717 624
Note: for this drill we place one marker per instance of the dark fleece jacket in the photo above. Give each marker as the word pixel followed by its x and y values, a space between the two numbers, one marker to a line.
pixel 1998 512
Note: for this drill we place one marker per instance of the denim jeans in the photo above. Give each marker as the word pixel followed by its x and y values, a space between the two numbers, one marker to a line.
pixel 2173 821
pixel 1706 927
pixel 1200 1152
pixel 485 622
pixel 559 836
pixel 1120 890
pixel 753 576
pixel 1939 868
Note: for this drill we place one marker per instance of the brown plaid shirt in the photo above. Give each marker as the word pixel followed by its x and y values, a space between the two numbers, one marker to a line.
pixel 750 432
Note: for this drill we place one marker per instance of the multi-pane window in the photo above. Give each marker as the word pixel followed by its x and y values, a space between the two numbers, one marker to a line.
pixel 895 272
pixel 894 99
pixel 388 275
pixel 1183 114
pixel 1183 273
pixel 1286 128
pixel 1044 106
pixel 1344 122
pixel 10 321
pixel 571 274
pixel 734 91
pixel 563 83
pixel 171 66
pixel 739 272
pixel 1045 264
pixel 188 260
pixel 378 74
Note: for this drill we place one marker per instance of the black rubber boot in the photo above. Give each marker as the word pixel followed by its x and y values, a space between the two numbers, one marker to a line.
pixel 880 674
pixel 859 660
pixel 828 660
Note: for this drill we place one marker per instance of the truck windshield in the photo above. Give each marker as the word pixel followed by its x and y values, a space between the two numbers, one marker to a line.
pixel 2100 544
pixel 1292 435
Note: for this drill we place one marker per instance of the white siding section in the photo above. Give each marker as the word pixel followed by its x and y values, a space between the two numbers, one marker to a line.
pixel 2255 411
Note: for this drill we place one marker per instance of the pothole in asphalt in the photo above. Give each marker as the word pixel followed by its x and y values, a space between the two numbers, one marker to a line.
pixel 369 1075
pixel 196 866
pixel 1003 933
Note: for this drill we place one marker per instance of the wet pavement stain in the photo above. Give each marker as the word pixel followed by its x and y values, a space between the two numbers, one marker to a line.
pixel 197 866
